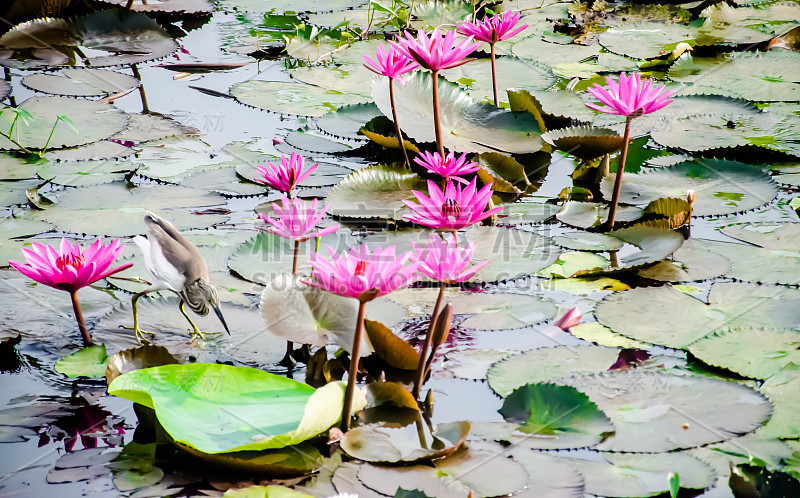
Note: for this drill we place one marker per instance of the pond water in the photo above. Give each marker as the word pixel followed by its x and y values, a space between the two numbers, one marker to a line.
pixel 718 316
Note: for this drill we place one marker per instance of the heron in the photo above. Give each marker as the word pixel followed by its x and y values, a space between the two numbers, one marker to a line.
pixel 176 265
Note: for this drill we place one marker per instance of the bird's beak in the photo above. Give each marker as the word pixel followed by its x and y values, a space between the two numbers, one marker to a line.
pixel 221 318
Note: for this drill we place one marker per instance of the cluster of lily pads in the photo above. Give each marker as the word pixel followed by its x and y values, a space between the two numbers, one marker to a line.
pixel 489 177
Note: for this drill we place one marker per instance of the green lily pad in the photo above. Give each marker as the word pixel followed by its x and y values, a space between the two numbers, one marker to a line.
pixel 145 356
pixel 376 191
pixel 472 364
pixel 772 76
pixel 147 127
pixel 556 413
pixel 588 241
pixel 257 491
pixel 634 476
pixel 593 214
pixel 690 263
pixel 534 48
pixel 781 389
pixel 772 131
pixel 114 209
pixel 584 285
pixel 455 476
pixel 511 73
pixel 570 264
pixel 658 412
pixel 721 186
pixel 81 82
pixel 466 126
pixel 100 39
pixel 585 142
pixel 221 408
pixel 85 173
pixel 12 227
pixel 604 336
pixel 430 14
pixel 346 121
pixel 752 263
pixel 88 362
pixel 17 168
pixel 169 7
pixel 171 159
pixel 552 109
pixel 102 150
pixel 764 21
pixel 222 180
pixel 288 6
pixel 754 352
pixel 292 98
pixel 646 40
pixel 90 121
pixel 411 443
pixel 522 213
pixel 676 320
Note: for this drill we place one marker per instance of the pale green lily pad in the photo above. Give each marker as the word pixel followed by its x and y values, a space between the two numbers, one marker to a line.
pixel 102 150
pixel 604 336
pixel 81 82
pixel 222 180
pixel 564 106
pixel 658 412
pixel 429 14
pixel 221 408
pixel 347 120
pixel 585 142
pixel 677 320
pixel 754 352
pixel 147 127
pixel 721 186
pixel 386 443
pixel 114 209
pixel 772 131
pixel 690 263
pixel 257 491
pixel 345 79
pixel 781 389
pixel 584 285
pixel 17 168
pixel 772 76
pixel 288 6
pixel 11 228
pixel 635 476
pixel 466 126
pixel 292 98
pixel 592 214
pixel 85 173
pixel 766 20
pixel 523 213
pixel 588 241
pixel 511 73
pixel 646 40
pixel 570 264
pixel 376 191
pixel 90 361
pixel 90 121
pixel 534 48
pixel 752 263
pixel 171 159
pixel 472 364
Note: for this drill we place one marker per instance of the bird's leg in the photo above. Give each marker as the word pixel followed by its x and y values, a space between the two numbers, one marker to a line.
pixel 288 360
pixel 195 331
pixel 140 334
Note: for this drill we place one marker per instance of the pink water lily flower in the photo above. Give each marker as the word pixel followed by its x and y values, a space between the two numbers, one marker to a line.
pixel 444 261
pixel 493 29
pixel 455 208
pixel 70 269
pixel 630 97
pixel 436 52
pixel 352 273
pixel 570 319
pixel 448 167
pixel 297 219
pixel 286 176
pixel 390 63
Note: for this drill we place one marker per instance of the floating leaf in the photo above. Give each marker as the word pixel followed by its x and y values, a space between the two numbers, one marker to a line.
pixel 375 192
pixel 346 121
pixel 657 412
pixel 570 264
pixel 292 461
pixel 393 350
pixel 646 40
pixel 604 336
pixel 85 173
pixel 88 362
pixel 292 98
pixel 586 142
pixel 593 214
pixel 721 186
pixel 689 263
pixel 264 492
pixel 754 352
pixel 81 82
pixel 781 389
pixel 675 319
pixel 512 73
pixel 520 213
pixel 466 125
pixel 534 48
pixel 409 444
pixel 222 180
pixel 166 6
pixel 588 241
pixel 11 228
pixel 221 408
pixel 472 364
pixel 136 358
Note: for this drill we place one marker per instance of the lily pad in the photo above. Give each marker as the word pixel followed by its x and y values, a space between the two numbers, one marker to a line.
pixel 754 352
pixel 109 37
pixel 174 158
pixel 412 443
pixel 781 389
pixel 346 121
pixel 466 126
pixel 588 241
pixel 85 173
pixel 646 40
pixel 522 213
pixel 658 412
pixel 114 209
pixel 604 336
pixel 376 191
pixel 258 491
pixel 288 6
pixel 81 82
pixel 511 73
pixel 593 214
pixel 634 476
pixel 690 263
pixel 675 319
pixel 721 186
pixel 89 121
pixel 166 6
pixel 87 362
pixel 534 48
pixel 586 142
pixel 222 180
pixel 430 14
pixel 292 98
pixel 102 150
pixel 221 408
pixel 752 263
pixel 11 228
pixel 472 364
pixel 136 358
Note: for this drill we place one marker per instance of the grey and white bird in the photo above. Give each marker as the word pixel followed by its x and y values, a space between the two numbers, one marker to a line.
pixel 176 265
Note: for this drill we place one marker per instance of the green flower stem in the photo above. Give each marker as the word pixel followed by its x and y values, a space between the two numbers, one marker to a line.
pixel 76 307
pixel 353 371
pixel 612 211
pixel 426 347
pixel 436 126
pixel 397 123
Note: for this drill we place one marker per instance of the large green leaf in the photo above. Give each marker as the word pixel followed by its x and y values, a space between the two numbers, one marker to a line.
pixel 676 320
pixel 657 412
pixel 466 126
pixel 593 214
pixel 84 173
pixel 782 389
pixel 81 82
pixel 87 362
pixel 646 40
pixel 347 120
pixel 511 73
pixel 221 408
pixel 752 263
pixel 754 352
pixel 721 186
pixel 692 262
pixel 292 98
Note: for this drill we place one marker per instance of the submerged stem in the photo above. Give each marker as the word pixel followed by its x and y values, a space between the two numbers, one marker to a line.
pixel 397 123
pixel 436 126
pixel 494 78
pixel 76 307
pixel 426 347
pixel 353 371
pixel 612 211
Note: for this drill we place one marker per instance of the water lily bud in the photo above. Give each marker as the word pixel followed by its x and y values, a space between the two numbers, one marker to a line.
pixel 570 319
pixel 690 196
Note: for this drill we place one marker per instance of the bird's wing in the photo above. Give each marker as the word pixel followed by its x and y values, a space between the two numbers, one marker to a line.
pixel 178 252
